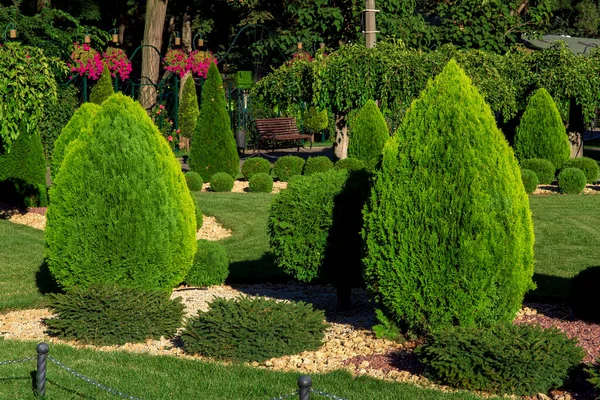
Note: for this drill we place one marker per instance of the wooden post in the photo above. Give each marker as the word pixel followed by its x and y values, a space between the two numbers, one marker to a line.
pixel 370 27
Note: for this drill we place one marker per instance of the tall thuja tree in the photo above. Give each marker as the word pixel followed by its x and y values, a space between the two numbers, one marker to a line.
pixel 541 132
pixel 103 88
pixel 188 108
pixel 213 145
pixel 448 230
pixel 368 134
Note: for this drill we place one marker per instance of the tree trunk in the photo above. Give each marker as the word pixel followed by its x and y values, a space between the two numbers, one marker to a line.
pixel 575 128
pixel 186 31
pixel 340 149
pixel 41 4
pixel 121 31
pixel 156 11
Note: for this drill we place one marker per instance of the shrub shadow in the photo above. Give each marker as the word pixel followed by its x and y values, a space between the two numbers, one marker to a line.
pixel 550 289
pixel 45 282
pixel 256 271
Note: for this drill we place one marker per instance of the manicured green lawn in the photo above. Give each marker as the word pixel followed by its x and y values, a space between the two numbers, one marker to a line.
pixel 166 377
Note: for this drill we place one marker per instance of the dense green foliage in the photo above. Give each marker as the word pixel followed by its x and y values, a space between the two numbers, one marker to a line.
pixel 109 315
pixel 368 134
pixel 188 108
pixel 103 89
pixel 198 214
pixel 287 166
pixel 530 180
pixel 448 231
pixel 594 375
pixel 589 166
pixel 213 145
pixel 514 359
pixel 261 183
pixel 56 116
pixel 221 182
pixel 544 169
pixel 316 121
pixel 120 209
pixel 255 165
pixel 79 124
pixel 571 181
pixel 257 329
pixel 194 181
pixel 582 294
pixel 541 132
pixel 317 164
pixel 211 265
pixel 351 164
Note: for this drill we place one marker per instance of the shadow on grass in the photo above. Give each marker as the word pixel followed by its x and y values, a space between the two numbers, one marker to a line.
pixel 257 271
pixel 45 282
pixel 550 289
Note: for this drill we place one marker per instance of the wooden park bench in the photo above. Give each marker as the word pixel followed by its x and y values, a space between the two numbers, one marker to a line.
pixel 280 133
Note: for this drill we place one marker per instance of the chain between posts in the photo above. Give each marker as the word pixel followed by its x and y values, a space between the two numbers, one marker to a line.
pixel 327 395
pixel 7 362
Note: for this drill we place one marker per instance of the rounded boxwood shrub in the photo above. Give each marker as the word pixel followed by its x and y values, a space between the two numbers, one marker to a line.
pixel 589 166
pixel 544 169
pixel 541 132
pixel 254 329
pixel 368 133
pixel 317 164
pixel 211 265
pixel 571 181
pixel 255 165
pixel 103 89
pixel 221 182
pixel 194 181
pixel 351 164
pixel 287 166
pixel 120 209
pixel 110 315
pixel 188 108
pixel 583 296
pixel 530 180
pixel 448 229
pixel 261 183
pixel 523 360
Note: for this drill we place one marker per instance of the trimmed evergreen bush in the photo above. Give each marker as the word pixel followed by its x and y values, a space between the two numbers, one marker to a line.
pixel 530 180
pixel 583 296
pixel 188 108
pixel 255 165
pixel 287 166
pixel 120 208
pixel 194 181
pixel 571 181
pixel 351 164
pixel 261 183
pixel 211 265
pixel 103 89
pixel 523 360
pixel 317 164
pixel 110 315
pixel 541 132
pixel 594 375
pixel 221 182
pixel 368 133
pixel 213 144
pixel 448 230
pixel 254 329
pixel 80 123
pixel 589 166
pixel 544 169
pixel 198 214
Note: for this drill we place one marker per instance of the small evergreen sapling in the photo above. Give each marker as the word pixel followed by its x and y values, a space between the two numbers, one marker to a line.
pixel 103 89
pixel 368 134
pixel 188 108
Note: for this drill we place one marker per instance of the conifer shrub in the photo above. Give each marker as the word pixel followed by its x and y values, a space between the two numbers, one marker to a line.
pixel 254 329
pixel 583 296
pixel 541 132
pixel 317 164
pixel 255 165
pixel 188 108
pixel 287 166
pixel 544 169
pixel 530 180
pixel 523 360
pixel 211 265
pixel 589 166
pixel 594 375
pixel 80 123
pixel 103 89
pixel 120 208
pixel 261 183
pixel 368 133
pixel 198 214
pixel 351 164
pixel 213 144
pixel 221 182
pixel 571 181
pixel 448 230
pixel 110 315
pixel 194 181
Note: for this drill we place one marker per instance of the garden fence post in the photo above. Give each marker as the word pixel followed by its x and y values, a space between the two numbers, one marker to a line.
pixel 42 352
pixel 304 384
pixel 176 117
pixel 85 89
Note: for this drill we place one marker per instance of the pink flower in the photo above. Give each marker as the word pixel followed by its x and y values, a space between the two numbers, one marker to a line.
pixel 178 131
pixel 161 107
pixel 170 138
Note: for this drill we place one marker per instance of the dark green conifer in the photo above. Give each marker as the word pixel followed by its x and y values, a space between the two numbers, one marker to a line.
pixel 368 134
pixel 103 88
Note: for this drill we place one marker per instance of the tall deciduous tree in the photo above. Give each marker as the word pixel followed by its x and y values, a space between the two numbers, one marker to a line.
pixel 156 12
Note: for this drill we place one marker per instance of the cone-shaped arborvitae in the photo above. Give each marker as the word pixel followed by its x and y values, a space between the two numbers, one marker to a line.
pixel 188 108
pixel 103 89
pixel 368 134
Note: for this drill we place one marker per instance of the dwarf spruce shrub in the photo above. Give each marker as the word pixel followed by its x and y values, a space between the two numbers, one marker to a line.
pixel 448 230
pixel 317 164
pixel 255 165
pixel 211 265
pixel 544 169
pixel 261 183
pixel 194 181
pixel 583 297
pixel 541 132
pixel 188 108
pixel 351 164
pixel 254 329
pixel 589 166
pixel 368 134
pixel 103 89
pixel 571 181
pixel 221 182
pixel 110 315
pixel 530 180
pixel 120 208
pixel 213 144
pixel 594 375
pixel 523 360
pixel 287 166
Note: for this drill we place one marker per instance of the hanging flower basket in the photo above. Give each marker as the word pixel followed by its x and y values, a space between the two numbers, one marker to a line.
pixel 87 61
pixel 118 63
pixel 177 62
pixel 199 62
pixel 180 63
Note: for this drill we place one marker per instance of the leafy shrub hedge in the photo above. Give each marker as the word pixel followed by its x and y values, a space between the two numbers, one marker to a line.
pixel 583 296
pixel 121 211
pixel 514 359
pixel 194 181
pixel 57 114
pixel 368 133
pixel 257 329
pixel 544 169
pixel 530 180
pixel 589 166
pixel 110 315
pixel 255 165
pixel 261 183
pixel 317 164
pixel 571 181
pixel 351 164
pixel 211 265
pixel 188 108
pixel 221 182
pixel 287 166
pixel 448 244
pixel 103 89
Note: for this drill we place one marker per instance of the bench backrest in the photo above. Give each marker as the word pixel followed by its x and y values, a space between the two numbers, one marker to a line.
pixel 277 126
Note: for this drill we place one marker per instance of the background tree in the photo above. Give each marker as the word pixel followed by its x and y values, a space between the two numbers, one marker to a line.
pixel 156 11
